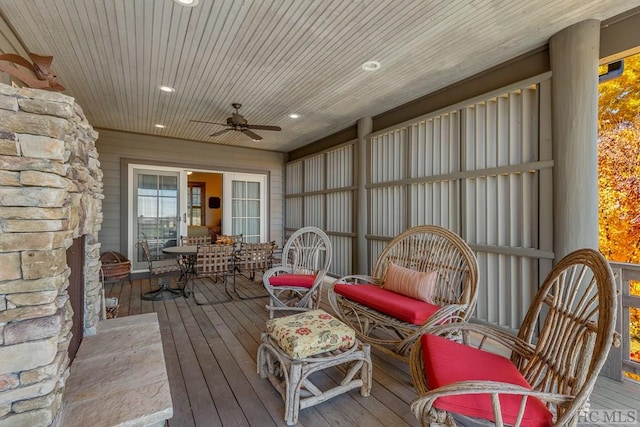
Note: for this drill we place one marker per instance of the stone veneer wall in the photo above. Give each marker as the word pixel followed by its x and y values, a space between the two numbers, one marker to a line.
pixel 50 193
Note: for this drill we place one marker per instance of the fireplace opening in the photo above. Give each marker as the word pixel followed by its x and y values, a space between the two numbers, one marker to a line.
pixel 75 261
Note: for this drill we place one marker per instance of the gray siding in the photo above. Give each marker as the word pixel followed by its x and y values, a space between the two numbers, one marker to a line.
pixel 115 146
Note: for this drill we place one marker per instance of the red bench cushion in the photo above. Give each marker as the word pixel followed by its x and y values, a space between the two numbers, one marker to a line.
pixel 299 280
pixel 447 362
pixel 395 305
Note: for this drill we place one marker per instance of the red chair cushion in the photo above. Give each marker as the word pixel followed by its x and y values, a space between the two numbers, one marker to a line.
pixel 395 305
pixel 447 362
pixel 299 280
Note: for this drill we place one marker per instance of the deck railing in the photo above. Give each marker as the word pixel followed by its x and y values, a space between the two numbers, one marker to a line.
pixel 621 361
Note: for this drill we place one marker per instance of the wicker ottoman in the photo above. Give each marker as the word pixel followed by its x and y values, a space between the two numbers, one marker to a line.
pixel 296 346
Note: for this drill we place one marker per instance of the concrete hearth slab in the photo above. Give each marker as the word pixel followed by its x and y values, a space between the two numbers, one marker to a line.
pixel 112 370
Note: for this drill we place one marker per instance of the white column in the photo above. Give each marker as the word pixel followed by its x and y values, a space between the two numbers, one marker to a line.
pixel 574 64
pixel 365 126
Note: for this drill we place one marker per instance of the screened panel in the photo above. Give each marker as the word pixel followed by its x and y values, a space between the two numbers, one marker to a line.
pixel 435 146
pixel 340 168
pixel 294 212
pixel 501 208
pixel 342 261
pixel 389 156
pixel 340 212
pixel 314 173
pixel 388 207
pixel 293 184
pixel 435 203
pixel 314 210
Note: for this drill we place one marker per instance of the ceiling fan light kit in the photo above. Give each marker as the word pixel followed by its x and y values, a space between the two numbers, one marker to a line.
pixel 238 123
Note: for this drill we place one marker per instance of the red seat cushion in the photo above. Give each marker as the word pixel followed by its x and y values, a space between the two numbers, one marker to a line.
pixel 448 362
pixel 300 280
pixel 395 305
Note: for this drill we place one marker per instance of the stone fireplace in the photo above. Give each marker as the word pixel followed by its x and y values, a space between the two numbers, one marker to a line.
pixel 50 194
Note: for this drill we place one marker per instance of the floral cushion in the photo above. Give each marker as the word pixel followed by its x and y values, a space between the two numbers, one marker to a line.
pixel 310 333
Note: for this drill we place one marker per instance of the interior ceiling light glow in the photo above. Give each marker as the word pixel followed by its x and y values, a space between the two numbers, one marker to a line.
pixel 166 88
pixel 159 126
pixel 187 3
pixel 371 66
pixel 294 116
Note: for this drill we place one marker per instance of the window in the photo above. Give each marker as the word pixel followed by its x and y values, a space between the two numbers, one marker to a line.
pixel 195 203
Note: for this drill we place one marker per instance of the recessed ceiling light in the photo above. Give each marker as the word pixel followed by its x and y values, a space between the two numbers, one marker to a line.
pixel 166 88
pixel 159 126
pixel 187 3
pixel 294 116
pixel 371 66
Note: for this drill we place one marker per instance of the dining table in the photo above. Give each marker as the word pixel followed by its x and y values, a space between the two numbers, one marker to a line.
pixel 187 253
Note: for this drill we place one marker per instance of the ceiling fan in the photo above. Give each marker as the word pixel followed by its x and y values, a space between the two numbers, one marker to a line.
pixel 238 123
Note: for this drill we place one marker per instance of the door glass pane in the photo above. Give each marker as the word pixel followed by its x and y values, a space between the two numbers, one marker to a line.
pixel 253 190
pixel 157 217
pixel 253 208
pixel 245 203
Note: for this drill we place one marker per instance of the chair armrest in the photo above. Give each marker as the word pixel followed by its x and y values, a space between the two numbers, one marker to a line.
pixel 275 271
pixel 487 334
pixel 422 406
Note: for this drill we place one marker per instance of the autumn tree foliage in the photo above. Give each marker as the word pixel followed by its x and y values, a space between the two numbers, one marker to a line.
pixel 619 165
pixel 619 178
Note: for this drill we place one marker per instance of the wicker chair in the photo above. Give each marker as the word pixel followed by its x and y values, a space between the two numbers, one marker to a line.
pixel 555 358
pixel 295 285
pixel 423 249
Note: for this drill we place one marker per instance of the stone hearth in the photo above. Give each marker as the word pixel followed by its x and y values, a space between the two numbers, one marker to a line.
pixel 50 193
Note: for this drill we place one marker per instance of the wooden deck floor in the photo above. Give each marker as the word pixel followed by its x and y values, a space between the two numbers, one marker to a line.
pixel 210 345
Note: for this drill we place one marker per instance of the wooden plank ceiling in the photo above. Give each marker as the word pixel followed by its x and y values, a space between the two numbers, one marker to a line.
pixel 276 57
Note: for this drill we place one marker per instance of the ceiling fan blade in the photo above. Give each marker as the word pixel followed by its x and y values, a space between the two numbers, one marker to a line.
pixel 220 132
pixel 252 135
pixel 263 127
pixel 209 123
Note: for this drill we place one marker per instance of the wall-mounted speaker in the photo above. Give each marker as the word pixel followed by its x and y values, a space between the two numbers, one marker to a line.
pixel 214 202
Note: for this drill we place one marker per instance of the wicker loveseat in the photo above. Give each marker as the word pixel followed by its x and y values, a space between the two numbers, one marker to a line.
pixel 424 257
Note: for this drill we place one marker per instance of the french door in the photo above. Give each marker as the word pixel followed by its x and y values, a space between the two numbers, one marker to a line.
pixel 154 210
pixel 244 206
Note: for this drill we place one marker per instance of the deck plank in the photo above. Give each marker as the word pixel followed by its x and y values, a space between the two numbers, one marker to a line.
pixel 202 405
pixel 210 349
pixel 182 414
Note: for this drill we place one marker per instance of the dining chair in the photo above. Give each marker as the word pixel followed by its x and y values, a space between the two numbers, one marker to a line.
pixel 295 285
pixel 159 268
pixel 195 240
pixel 215 262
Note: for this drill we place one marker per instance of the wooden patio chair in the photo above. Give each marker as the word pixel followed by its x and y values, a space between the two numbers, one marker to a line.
pixel 388 317
pixel 295 285
pixel 555 358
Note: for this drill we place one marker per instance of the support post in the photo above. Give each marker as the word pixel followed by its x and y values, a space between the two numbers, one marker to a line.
pixel 574 54
pixel 365 126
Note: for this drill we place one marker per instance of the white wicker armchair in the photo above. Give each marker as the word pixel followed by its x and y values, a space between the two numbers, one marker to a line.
pixel 295 285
